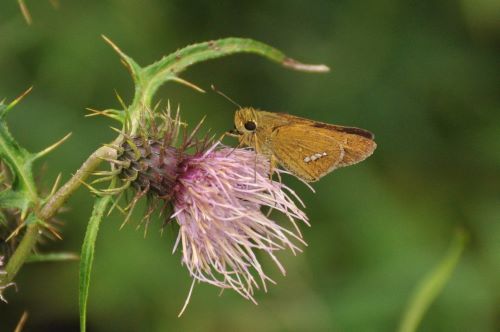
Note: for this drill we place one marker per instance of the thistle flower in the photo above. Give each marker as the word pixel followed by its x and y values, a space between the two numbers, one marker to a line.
pixel 218 201
pixel 218 195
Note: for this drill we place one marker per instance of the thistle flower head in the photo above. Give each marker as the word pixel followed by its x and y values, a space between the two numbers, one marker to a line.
pixel 218 195
pixel 218 202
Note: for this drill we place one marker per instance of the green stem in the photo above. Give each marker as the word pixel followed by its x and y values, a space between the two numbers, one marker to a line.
pixel 23 251
pixel 58 199
pixel 29 240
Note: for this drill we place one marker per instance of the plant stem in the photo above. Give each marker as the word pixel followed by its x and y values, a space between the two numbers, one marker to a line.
pixel 22 252
pixel 58 199
pixel 30 238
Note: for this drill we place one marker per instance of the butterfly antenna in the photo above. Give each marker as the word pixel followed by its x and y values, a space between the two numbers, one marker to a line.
pixel 223 95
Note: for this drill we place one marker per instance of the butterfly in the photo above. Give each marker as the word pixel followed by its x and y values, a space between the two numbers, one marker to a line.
pixel 308 149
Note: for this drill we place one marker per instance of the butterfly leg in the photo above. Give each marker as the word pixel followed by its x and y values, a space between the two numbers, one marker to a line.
pixel 272 168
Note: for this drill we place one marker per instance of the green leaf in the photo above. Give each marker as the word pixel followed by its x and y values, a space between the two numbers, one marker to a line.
pixel 170 66
pixel 17 159
pixel 87 255
pixel 10 199
pixel 432 284
pixel 148 79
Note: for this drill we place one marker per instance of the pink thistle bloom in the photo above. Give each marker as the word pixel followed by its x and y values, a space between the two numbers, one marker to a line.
pixel 218 200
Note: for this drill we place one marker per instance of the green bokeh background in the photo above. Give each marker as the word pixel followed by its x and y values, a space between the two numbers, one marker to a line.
pixel 424 76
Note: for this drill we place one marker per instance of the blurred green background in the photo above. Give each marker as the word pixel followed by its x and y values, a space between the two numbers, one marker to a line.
pixel 424 76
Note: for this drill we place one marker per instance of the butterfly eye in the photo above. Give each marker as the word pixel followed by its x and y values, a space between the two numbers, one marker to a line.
pixel 250 125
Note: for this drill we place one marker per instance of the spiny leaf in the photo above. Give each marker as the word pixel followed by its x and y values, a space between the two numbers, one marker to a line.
pixel 87 255
pixel 190 55
pixel 170 66
pixel 23 192
pixel 18 159
pixel 148 79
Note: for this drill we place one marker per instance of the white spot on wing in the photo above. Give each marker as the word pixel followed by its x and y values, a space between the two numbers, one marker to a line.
pixel 314 157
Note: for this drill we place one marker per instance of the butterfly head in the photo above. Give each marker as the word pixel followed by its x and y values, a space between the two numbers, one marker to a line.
pixel 245 125
pixel 245 121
